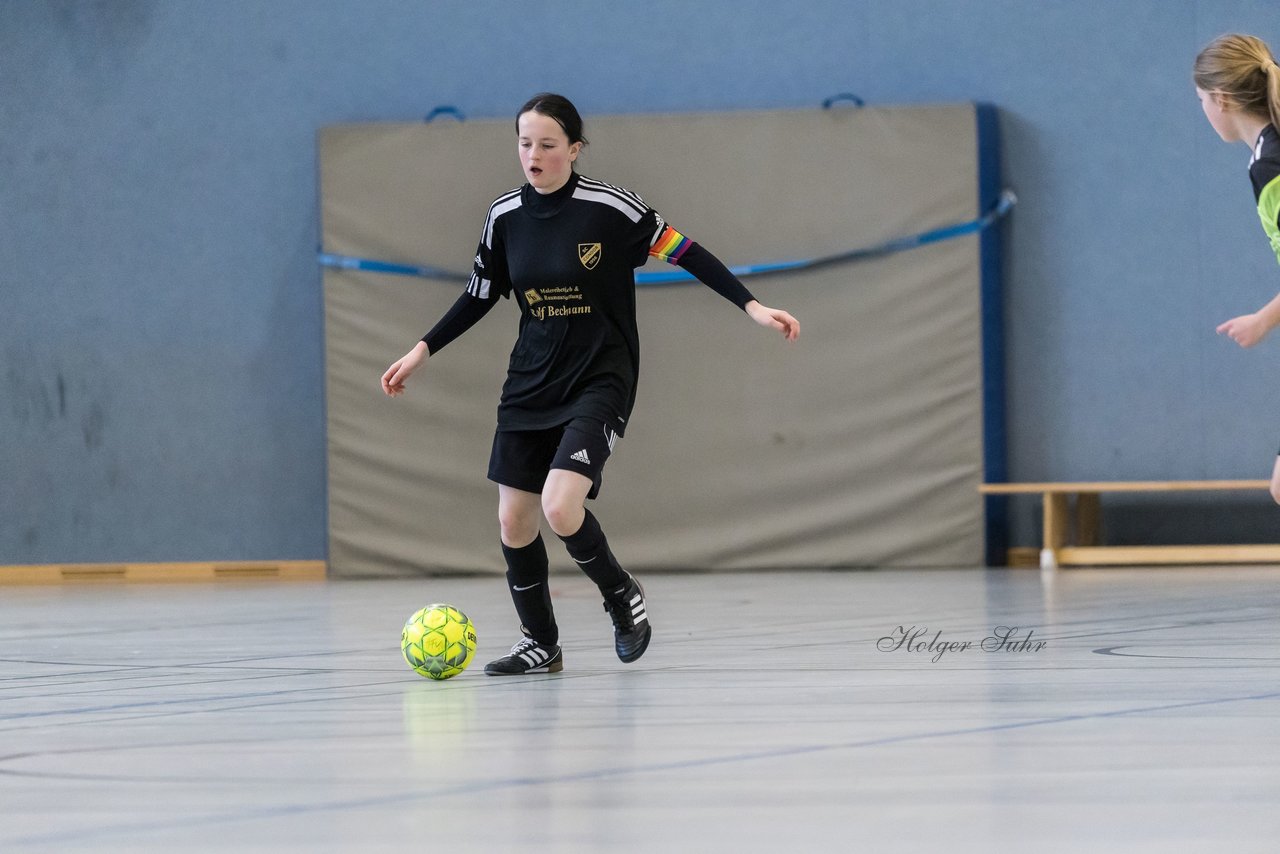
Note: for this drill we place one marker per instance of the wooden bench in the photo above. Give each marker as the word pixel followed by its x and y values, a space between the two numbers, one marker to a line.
pixel 1056 550
pixel 56 573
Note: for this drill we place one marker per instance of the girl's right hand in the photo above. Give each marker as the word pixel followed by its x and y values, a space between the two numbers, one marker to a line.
pixel 393 380
pixel 1246 330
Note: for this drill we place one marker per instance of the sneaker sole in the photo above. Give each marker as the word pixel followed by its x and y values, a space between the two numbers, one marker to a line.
pixel 553 667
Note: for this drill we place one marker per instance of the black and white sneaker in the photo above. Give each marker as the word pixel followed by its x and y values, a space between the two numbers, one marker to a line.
pixel 527 656
pixel 631 627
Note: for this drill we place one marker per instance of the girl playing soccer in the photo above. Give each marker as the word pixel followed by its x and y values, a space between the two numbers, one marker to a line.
pixel 566 247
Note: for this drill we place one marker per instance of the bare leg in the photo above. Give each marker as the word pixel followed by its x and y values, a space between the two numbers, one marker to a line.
pixel 518 515
pixel 564 497
pixel 527 568
pixel 1275 481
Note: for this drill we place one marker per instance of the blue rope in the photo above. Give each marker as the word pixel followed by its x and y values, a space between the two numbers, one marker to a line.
pixel 1003 205
pixel 346 262
pixel 445 110
pixel 827 103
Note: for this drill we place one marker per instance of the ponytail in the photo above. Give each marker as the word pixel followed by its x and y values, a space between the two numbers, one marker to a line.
pixel 1271 72
pixel 1242 68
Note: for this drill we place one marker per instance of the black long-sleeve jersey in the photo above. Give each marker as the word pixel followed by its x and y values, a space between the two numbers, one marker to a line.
pixel 569 258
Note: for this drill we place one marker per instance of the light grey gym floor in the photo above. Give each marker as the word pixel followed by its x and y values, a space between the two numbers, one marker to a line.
pixel 769 714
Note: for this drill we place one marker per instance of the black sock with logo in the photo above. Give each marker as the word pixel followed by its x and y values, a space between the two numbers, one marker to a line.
pixel 527 578
pixel 590 550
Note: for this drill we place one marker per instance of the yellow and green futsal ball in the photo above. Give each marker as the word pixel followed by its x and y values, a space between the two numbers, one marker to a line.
pixel 438 641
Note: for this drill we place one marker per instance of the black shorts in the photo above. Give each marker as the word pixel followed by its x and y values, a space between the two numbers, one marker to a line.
pixel 523 458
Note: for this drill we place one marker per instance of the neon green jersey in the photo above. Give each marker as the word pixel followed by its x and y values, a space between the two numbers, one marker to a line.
pixel 1264 171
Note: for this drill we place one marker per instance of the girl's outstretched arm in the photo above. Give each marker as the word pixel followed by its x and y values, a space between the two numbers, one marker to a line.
pixel 1248 329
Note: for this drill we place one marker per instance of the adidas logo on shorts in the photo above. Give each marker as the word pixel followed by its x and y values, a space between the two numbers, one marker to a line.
pixel 582 457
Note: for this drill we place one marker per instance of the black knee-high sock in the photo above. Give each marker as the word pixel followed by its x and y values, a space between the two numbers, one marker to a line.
pixel 590 550
pixel 527 578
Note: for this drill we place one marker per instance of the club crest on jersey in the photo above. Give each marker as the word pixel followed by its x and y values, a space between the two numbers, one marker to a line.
pixel 589 254
pixel 531 296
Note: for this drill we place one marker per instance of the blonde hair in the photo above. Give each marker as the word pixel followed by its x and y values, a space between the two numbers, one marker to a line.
pixel 1242 68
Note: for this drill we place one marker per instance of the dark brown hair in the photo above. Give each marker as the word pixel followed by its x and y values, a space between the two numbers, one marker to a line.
pixel 559 108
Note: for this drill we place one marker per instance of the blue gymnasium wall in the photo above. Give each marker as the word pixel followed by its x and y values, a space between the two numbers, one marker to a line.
pixel 162 373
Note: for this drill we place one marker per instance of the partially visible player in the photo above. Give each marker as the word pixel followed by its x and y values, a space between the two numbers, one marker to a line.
pixel 1238 83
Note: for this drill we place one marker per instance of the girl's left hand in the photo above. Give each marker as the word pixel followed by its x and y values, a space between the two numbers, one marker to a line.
pixel 774 318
